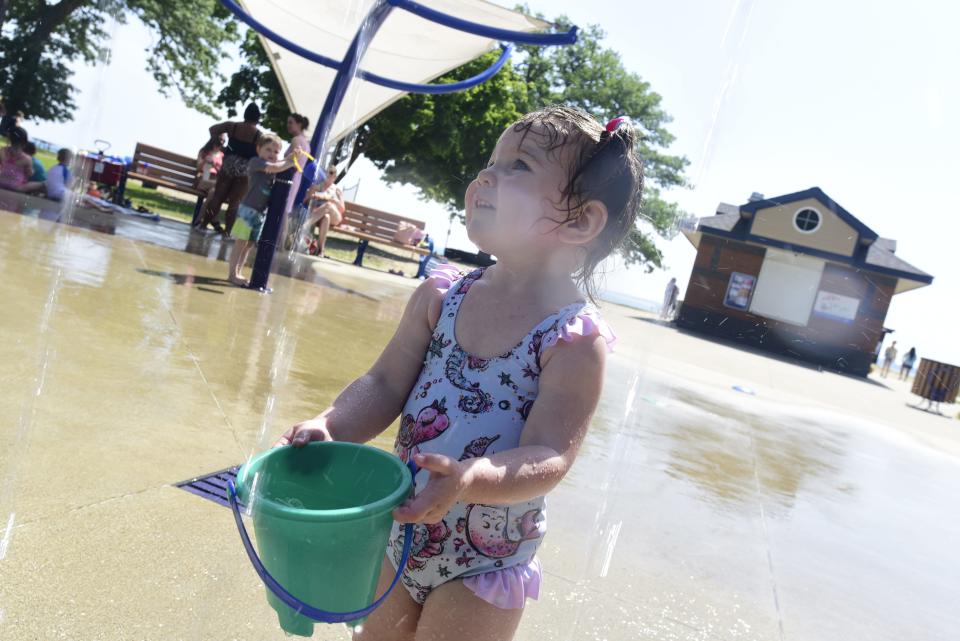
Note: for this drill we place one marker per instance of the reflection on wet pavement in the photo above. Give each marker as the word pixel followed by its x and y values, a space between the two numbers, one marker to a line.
pixel 691 513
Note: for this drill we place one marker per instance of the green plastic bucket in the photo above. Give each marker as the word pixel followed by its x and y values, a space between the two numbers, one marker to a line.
pixel 322 517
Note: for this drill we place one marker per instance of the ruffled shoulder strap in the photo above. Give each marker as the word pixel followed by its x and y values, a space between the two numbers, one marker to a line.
pixel 445 276
pixel 584 320
pixel 451 280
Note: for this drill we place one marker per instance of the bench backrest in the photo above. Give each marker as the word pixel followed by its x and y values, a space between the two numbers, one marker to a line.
pixel 375 222
pixel 165 165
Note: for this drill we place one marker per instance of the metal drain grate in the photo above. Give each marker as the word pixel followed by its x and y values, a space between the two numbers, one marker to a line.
pixel 213 486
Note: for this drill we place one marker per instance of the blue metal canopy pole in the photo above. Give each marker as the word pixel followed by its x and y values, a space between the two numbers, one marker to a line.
pixel 281 189
pixel 349 68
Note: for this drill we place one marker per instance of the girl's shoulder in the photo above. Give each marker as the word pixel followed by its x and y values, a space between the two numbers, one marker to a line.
pixel 442 279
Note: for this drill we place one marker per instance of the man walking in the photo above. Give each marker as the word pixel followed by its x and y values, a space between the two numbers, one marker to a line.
pixel 888 357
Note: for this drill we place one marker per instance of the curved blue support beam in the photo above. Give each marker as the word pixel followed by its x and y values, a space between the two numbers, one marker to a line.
pixel 267 33
pixel 451 87
pixel 399 85
pixel 345 74
pixel 477 29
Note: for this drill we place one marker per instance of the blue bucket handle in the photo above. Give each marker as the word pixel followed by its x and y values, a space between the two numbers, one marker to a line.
pixel 307 610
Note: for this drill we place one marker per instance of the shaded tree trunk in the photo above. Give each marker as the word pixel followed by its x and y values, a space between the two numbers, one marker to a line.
pixel 48 20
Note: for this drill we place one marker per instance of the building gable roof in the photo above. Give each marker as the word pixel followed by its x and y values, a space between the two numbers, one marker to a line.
pixel 866 234
pixel 877 254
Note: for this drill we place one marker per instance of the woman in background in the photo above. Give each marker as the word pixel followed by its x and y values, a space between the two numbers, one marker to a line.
pixel 16 167
pixel 296 126
pixel 909 359
pixel 232 179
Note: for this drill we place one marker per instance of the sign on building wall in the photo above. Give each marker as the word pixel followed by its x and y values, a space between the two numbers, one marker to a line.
pixel 836 306
pixel 739 290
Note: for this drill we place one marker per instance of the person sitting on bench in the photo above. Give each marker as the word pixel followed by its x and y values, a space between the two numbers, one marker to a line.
pixel 326 208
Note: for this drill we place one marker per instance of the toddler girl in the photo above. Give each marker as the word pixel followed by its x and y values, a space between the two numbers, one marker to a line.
pixel 495 375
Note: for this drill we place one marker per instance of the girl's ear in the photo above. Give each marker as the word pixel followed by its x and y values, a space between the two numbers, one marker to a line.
pixel 587 226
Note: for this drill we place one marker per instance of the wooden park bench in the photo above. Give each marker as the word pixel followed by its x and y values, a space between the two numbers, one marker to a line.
pixel 372 225
pixel 156 166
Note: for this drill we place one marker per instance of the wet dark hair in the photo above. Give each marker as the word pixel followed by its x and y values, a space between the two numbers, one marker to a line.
pixel 601 165
pixel 252 113
pixel 17 136
pixel 63 155
pixel 30 149
pixel 302 120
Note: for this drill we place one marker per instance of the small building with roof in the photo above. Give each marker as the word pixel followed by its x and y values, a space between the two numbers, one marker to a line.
pixel 798 275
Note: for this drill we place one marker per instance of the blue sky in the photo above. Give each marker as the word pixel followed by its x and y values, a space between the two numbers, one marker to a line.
pixel 766 96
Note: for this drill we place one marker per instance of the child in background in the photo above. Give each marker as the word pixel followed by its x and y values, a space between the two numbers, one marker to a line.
pixel 495 375
pixel 16 166
pixel 209 161
pixel 39 171
pixel 326 209
pixel 252 211
pixel 58 178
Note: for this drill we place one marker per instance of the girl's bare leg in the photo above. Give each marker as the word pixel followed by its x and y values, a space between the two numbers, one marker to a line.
pixel 396 619
pixel 241 249
pixel 324 225
pixel 452 613
pixel 303 237
pixel 211 208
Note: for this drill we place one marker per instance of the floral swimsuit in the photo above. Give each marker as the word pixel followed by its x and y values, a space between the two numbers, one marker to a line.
pixel 465 407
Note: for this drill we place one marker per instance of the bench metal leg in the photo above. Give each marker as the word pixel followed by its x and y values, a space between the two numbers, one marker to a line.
pixel 361 248
pixel 197 211
pixel 121 189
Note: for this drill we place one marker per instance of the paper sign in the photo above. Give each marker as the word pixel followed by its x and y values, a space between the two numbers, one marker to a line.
pixel 836 306
pixel 739 290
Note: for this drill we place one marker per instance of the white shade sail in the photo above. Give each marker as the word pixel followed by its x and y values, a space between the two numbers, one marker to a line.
pixel 406 48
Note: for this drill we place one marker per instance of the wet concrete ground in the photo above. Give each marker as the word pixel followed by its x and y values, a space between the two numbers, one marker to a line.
pixel 694 511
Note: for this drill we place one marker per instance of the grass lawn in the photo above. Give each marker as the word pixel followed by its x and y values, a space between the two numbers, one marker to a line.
pixel 344 248
pixel 156 200
pixel 47 158
pixel 160 201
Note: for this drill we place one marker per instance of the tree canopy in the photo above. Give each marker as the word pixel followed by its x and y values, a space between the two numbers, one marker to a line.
pixel 39 41
pixel 256 81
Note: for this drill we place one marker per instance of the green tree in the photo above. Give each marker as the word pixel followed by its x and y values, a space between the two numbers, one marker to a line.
pixel 40 40
pixel 439 143
pixel 256 81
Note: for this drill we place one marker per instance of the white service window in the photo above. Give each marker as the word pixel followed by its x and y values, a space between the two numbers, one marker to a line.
pixel 787 286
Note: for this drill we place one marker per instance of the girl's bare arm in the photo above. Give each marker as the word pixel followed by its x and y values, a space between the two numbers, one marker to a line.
pixel 220 128
pixel 371 403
